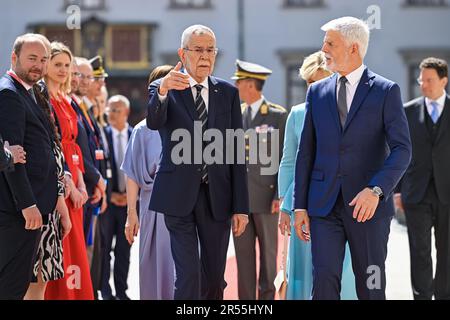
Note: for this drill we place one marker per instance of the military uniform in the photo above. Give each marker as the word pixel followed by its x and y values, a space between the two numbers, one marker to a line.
pixel 263 118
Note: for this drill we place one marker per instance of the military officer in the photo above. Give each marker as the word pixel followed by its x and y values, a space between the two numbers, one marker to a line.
pixel 267 121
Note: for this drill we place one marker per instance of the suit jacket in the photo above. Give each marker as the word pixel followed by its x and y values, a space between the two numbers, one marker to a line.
pixel 373 148
pixel 114 165
pixel 6 159
pixel 262 189
pixel 24 123
pixel 86 139
pixel 176 186
pixel 429 158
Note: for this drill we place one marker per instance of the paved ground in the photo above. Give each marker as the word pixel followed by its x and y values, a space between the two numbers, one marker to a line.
pixel 397 268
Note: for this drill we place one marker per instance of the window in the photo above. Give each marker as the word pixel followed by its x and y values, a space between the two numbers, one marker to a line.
pixel 426 3
pixel 295 86
pixel 190 4
pixel 412 59
pixel 71 38
pixel 127 46
pixel 87 4
pixel 304 3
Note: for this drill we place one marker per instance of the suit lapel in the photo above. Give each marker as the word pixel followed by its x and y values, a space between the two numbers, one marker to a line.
pixel 188 99
pixel 259 117
pixel 362 90
pixel 331 88
pixel 213 94
pixel 445 119
pixel 421 125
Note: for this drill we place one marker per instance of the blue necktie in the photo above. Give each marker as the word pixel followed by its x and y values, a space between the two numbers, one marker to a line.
pixel 434 112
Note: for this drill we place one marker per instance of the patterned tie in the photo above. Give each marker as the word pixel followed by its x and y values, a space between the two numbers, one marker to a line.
pixel 120 155
pixel 435 111
pixel 342 101
pixel 203 117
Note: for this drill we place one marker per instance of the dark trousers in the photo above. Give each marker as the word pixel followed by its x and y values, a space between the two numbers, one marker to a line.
pixel 18 248
pixel 368 248
pixel 263 226
pixel 199 275
pixel 420 219
pixel 113 225
pixel 88 212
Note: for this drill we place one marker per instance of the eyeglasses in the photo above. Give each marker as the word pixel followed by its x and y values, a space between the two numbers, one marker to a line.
pixel 99 79
pixel 83 76
pixel 76 74
pixel 429 81
pixel 200 51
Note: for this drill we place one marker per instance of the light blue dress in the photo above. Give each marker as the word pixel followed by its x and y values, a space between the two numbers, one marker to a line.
pixel 156 266
pixel 299 265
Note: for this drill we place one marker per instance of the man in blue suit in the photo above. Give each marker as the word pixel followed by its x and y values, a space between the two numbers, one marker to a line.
pixel 354 149
pixel 200 200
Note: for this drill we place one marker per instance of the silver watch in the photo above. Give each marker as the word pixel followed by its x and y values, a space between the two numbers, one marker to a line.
pixel 377 191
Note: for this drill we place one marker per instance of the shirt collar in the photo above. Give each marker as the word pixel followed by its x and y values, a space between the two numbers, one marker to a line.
pixel 355 76
pixel 23 83
pixel 440 101
pixel 124 130
pixel 257 104
pixel 192 82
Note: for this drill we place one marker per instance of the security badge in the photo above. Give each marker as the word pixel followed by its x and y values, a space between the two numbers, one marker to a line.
pixel 76 159
pixel 99 154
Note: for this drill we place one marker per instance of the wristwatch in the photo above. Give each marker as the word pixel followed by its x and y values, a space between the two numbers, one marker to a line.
pixel 377 191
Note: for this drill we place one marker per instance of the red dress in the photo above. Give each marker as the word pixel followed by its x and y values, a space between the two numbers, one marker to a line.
pixel 76 284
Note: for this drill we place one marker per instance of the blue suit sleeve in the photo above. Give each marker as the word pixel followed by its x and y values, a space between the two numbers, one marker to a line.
pixel 398 140
pixel 156 111
pixel 305 157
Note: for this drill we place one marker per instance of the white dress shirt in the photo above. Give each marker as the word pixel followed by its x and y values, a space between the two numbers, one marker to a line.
pixel 440 101
pixel 255 106
pixel 353 79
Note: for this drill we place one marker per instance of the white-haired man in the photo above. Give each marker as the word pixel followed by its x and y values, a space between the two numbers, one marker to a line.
pixel 354 148
pixel 200 201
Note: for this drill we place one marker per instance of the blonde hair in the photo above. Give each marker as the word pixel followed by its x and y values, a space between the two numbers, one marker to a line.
pixel 313 63
pixel 56 49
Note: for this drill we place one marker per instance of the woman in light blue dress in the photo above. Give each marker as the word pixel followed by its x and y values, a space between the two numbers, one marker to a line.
pixel 299 265
pixel 156 266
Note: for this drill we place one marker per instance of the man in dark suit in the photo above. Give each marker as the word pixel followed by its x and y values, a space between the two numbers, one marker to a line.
pixel 265 119
pixel 200 198
pixel 29 192
pixel 425 187
pixel 114 219
pixel 354 149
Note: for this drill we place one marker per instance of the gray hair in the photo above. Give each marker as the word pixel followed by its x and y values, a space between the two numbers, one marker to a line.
pixel 194 29
pixel 353 30
pixel 119 98
pixel 81 60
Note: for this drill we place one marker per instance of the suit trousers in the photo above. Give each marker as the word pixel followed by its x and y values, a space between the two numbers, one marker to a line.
pixel 18 248
pixel 368 249
pixel 420 219
pixel 113 225
pixel 199 271
pixel 263 226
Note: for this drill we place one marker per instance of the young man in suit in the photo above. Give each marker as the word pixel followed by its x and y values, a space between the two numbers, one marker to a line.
pixel 200 199
pixel 268 120
pixel 425 188
pixel 29 192
pixel 113 221
pixel 354 149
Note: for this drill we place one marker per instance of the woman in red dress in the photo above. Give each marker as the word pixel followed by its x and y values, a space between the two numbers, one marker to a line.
pixel 76 284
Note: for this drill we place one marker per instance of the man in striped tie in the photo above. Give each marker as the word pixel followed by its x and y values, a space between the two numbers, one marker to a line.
pixel 200 199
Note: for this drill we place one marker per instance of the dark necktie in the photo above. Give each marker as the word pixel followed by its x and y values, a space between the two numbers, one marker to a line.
pixel 342 101
pixel 203 117
pixel 120 155
pixel 247 117
pixel 31 92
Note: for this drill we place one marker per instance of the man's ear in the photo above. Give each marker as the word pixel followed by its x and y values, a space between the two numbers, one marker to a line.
pixel 181 54
pixel 13 59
